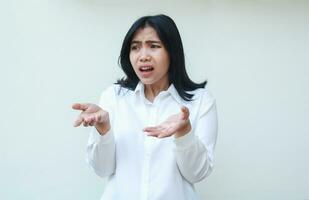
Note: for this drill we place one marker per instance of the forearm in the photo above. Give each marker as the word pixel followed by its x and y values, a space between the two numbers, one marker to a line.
pixel 192 158
pixel 101 153
pixel 194 151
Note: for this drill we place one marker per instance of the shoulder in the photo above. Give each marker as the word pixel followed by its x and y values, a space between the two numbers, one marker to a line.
pixel 203 100
pixel 115 91
pixel 202 94
pixel 110 97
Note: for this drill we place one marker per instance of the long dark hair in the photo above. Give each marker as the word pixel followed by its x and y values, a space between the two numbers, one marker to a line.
pixel 170 37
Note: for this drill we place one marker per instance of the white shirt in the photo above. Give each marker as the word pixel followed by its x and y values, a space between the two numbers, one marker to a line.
pixel 141 167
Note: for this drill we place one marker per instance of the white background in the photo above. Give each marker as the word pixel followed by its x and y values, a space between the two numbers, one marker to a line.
pixel 253 53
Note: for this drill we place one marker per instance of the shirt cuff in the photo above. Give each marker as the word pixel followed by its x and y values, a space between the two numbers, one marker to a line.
pixel 103 139
pixel 185 141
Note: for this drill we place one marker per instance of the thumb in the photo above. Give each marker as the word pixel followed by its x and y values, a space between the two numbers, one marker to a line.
pixel 79 106
pixel 185 112
pixel 78 121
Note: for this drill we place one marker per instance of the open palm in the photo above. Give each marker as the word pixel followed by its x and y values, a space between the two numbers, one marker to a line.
pixel 177 125
pixel 92 115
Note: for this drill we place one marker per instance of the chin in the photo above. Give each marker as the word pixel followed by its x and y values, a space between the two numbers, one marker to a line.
pixel 147 81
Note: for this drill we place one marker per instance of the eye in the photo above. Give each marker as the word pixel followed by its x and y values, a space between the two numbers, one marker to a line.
pixel 155 46
pixel 134 47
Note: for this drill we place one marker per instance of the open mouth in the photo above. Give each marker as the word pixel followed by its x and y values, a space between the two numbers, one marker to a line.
pixel 146 69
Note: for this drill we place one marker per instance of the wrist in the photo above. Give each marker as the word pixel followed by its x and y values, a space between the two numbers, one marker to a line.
pixel 183 131
pixel 103 129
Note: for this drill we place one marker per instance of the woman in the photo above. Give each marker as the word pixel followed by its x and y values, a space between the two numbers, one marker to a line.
pixel 155 129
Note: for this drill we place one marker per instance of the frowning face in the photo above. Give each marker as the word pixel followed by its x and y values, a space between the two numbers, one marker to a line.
pixel 149 57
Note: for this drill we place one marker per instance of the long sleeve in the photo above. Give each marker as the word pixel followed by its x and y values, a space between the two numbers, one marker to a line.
pixel 101 149
pixel 194 151
pixel 101 153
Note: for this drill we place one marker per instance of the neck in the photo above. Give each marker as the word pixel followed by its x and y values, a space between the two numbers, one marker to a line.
pixel 151 91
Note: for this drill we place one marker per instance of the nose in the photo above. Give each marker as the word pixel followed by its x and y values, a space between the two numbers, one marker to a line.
pixel 144 55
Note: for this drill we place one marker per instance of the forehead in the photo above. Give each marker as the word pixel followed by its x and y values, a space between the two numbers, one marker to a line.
pixel 146 33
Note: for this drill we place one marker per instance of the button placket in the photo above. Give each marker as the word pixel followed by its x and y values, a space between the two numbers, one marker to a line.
pixel 147 155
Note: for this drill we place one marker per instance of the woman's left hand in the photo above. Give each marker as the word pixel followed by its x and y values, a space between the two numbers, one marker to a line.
pixel 177 125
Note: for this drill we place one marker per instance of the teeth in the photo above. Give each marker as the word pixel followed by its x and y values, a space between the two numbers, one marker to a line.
pixel 146 68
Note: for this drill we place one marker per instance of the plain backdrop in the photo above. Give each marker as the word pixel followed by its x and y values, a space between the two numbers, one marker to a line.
pixel 254 54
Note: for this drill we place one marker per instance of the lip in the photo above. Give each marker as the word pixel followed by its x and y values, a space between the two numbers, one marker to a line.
pixel 145 74
pixel 141 66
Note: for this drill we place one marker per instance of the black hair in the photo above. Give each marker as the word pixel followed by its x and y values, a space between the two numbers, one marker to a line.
pixel 170 37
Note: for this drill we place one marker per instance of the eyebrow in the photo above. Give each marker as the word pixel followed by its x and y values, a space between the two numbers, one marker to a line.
pixel 147 41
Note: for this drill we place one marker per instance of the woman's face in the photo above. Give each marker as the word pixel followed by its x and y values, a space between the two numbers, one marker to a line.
pixel 149 57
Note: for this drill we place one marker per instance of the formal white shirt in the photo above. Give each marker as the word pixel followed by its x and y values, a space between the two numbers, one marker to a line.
pixel 141 167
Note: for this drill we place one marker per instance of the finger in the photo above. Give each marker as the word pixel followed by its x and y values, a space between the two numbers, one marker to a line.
pixel 154 128
pixel 92 123
pixel 84 106
pixel 162 132
pixel 185 112
pixel 88 119
pixel 162 136
pixel 76 106
pixel 154 134
pixel 184 109
pixel 79 106
pixel 150 129
pixel 78 121
pixel 167 132
pixel 85 124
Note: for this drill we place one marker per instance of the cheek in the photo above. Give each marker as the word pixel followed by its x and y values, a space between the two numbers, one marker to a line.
pixel 133 62
pixel 166 62
pixel 165 58
pixel 131 57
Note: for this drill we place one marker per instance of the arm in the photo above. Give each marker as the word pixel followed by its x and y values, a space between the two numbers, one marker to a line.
pixel 101 153
pixel 101 148
pixel 101 144
pixel 194 151
pixel 193 146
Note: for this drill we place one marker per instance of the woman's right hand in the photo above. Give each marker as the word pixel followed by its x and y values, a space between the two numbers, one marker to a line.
pixel 92 115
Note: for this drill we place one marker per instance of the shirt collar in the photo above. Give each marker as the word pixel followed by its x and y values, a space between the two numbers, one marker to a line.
pixel 171 90
pixel 139 87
